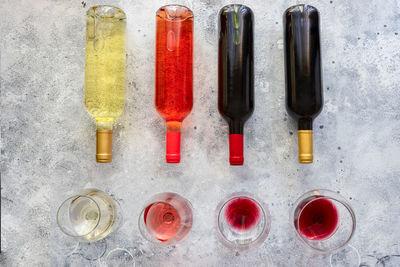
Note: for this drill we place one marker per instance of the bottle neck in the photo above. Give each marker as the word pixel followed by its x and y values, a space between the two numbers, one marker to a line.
pixel 305 124
pixel 174 126
pixel 236 149
pixel 103 146
pixel 236 127
pixel 104 124
pixel 305 140
pixel 173 153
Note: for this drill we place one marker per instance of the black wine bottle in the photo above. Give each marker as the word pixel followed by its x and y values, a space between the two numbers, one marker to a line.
pixel 235 74
pixel 303 73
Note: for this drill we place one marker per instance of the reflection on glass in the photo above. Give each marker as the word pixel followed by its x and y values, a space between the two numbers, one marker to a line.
pixel 243 221
pixel 166 219
pixel 89 216
pixel 323 220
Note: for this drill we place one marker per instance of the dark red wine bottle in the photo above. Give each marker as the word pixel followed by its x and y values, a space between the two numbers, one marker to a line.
pixel 303 73
pixel 235 74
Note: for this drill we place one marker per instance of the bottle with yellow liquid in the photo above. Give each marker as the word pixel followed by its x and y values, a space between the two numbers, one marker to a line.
pixel 105 72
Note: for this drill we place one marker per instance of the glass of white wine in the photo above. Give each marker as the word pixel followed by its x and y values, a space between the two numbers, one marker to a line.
pixel 89 216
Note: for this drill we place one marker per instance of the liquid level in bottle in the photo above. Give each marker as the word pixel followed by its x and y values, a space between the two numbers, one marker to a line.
pixel 105 64
pixel 319 219
pixel 93 218
pixel 242 213
pixel 174 56
pixel 161 220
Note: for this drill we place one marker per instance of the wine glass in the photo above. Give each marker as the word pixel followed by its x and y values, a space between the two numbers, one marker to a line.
pixel 166 219
pixel 243 221
pixel 323 220
pixel 89 216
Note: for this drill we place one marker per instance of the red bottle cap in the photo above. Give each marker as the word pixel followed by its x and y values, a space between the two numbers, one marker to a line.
pixel 236 149
pixel 173 147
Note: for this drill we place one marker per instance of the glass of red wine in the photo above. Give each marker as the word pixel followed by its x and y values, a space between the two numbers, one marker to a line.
pixel 242 221
pixel 166 219
pixel 323 220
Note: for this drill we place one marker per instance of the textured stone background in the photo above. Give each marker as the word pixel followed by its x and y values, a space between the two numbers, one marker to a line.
pixel 48 139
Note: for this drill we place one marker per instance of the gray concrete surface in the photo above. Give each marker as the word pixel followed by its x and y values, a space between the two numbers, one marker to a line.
pixel 48 139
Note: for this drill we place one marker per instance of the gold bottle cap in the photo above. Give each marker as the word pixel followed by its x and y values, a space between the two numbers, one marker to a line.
pixel 104 146
pixel 305 140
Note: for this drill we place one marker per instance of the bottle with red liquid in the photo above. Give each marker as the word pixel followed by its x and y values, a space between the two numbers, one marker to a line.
pixel 235 74
pixel 243 221
pixel 304 98
pixel 166 219
pixel 174 72
pixel 324 220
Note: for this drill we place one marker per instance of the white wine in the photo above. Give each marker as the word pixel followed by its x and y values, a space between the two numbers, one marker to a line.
pixel 84 215
pixel 90 215
pixel 105 72
pixel 99 215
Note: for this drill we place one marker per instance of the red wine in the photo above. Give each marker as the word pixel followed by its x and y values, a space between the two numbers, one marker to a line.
pixel 235 74
pixel 303 73
pixel 319 219
pixel 162 220
pixel 242 213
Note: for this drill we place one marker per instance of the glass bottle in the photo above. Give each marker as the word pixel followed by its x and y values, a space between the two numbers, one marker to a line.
pixel 303 73
pixel 105 73
pixel 174 72
pixel 235 74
